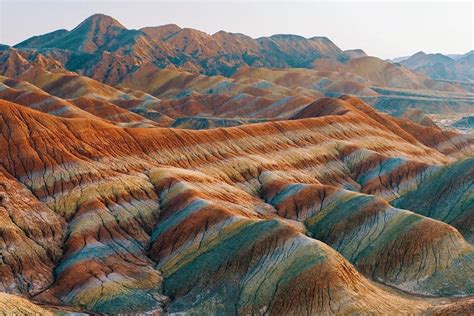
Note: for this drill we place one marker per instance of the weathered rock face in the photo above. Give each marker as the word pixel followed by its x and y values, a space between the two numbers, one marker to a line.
pixel 14 63
pixel 91 103
pixel 378 239
pixel 283 217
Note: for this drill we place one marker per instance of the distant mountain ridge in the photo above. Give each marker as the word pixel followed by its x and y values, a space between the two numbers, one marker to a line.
pixel 421 59
pixel 441 67
pixel 102 48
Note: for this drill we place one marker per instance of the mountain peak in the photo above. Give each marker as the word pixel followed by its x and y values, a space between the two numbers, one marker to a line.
pixel 420 53
pixel 355 53
pixel 93 33
pixel 101 21
pixel 161 32
pixel 288 37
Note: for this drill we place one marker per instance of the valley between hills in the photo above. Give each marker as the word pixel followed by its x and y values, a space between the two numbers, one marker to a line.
pixel 169 171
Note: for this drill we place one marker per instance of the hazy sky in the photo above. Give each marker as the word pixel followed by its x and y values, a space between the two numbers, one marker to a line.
pixel 383 29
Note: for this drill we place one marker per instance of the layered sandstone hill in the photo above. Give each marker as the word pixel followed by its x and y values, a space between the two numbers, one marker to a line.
pixel 283 217
pixel 102 48
pixel 455 207
pixel 15 63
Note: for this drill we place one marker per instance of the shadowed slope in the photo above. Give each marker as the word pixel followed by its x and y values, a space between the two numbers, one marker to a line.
pixel 14 305
pixel 446 195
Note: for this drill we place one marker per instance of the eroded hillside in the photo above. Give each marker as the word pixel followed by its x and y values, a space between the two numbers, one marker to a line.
pixel 267 217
